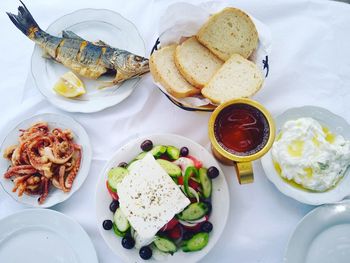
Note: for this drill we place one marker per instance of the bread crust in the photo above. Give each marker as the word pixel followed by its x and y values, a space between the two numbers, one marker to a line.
pixel 203 31
pixel 158 77
pixel 206 90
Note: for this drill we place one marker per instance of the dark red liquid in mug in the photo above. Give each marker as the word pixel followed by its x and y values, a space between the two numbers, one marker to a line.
pixel 241 129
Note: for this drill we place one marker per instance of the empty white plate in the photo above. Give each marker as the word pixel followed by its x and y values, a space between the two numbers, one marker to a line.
pixel 42 236
pixel 322 236
pixel 55 121
pixel 92 25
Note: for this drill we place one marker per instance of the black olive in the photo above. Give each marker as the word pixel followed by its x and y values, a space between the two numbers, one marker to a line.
pixel 184 151
pixel 128 242
pixel 107 225
pixel 207 227
pixel 114 205
pixel 145 252
pixel 187 235
pixel 212 172
pixel 147 145
pixel 123 164
pixel 208 203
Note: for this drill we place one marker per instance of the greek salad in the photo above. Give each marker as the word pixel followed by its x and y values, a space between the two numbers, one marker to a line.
pixel 188 228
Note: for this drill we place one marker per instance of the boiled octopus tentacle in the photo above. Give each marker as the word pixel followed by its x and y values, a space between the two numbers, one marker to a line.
pixel 43 157
pixel 36 160
pixel 62 149
pixel 38 128
pixel 20 170
pixel 9 152
pixel 73 173
pixel 20 184
pixel 62 172
pixel 45 189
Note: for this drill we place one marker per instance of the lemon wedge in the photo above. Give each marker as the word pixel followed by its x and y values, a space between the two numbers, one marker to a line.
pixel 69 86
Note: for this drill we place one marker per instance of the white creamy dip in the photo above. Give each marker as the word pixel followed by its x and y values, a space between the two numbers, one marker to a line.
pixel 310 154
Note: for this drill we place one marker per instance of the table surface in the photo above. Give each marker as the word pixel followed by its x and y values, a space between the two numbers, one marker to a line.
pixel 309 65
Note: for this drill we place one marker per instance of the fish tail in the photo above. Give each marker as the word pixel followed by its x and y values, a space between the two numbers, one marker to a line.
pixel 25 22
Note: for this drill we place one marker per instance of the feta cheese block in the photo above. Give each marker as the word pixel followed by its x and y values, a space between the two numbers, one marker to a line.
pixel 149 198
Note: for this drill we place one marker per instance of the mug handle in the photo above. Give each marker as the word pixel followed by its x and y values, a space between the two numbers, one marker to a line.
pixel 244 171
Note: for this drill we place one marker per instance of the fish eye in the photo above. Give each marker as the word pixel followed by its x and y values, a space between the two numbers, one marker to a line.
pixel 138 58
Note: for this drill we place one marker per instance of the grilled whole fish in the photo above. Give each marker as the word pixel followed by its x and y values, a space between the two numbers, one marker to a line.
pixel 88 59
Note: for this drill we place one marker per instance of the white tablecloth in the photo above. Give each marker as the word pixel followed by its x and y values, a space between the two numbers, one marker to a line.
pixel 309 65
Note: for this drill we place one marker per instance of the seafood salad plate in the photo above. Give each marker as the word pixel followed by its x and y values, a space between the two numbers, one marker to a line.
pixel 44 235
pixel 101 47
pixel 162 198
pixel 45 159
pixel 310 158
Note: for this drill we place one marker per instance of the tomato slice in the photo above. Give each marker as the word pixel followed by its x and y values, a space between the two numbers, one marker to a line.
pixel 114 195
pixel 197 163
pixel 170 225
pixel 195 228
pixel 180 180
pixel 194 185
pixel 175 233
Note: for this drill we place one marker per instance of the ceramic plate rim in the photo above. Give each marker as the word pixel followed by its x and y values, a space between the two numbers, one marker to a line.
pixel 73 107
pixel 87 157
pixel 133 142
pixel 334 195
pixel 83 234
pixel 314 213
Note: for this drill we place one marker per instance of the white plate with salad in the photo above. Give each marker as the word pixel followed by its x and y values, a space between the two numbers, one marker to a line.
pixel 160 198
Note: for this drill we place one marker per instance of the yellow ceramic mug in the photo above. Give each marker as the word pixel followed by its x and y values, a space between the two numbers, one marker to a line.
pixel 241 131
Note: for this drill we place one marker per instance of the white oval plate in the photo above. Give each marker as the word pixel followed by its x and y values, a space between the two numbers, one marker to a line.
pixel 322 236
pixel 336 124
pixel 55 195
pixel 92 25
pixel 220 197
pixel 43 235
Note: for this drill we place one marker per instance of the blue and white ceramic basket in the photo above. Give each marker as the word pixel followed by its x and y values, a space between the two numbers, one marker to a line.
pixel 184 20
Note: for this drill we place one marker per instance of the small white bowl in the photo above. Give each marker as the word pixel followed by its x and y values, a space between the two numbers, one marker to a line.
pixel 55 121
pixel 337 125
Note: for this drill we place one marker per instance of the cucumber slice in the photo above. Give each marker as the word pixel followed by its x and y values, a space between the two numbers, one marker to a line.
pixel 165 244
pixel 117 231
pixel 172 169
pixel 141 155
pixel 194 211
pixel 115 176
pixel 197 242
pixel 190 172
pixel 158 150
pixel 121 221
pixel 173 152
pixel 205 182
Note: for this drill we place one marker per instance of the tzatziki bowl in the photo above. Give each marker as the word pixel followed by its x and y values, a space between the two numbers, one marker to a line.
pixel 300 170
pixel 160 198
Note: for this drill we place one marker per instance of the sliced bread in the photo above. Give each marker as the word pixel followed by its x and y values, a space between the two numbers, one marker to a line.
pixel 229 32
pixel 164 71
pixel 237 78
pixel 196 63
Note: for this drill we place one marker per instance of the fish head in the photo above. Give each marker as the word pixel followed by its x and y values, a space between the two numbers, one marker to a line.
pixel 138 64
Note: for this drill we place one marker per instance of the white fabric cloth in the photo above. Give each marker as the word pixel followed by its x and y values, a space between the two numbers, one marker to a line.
pixel 309 65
